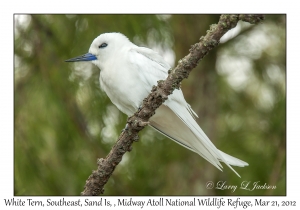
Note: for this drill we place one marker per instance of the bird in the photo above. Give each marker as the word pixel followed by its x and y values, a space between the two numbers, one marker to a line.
pixel 127 75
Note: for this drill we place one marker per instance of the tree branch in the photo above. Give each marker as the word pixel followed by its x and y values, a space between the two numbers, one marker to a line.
pixel 96 181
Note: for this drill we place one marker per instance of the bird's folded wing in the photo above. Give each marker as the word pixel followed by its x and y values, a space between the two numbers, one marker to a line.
pixel 175 118
pixel 153 56
pixel 151 67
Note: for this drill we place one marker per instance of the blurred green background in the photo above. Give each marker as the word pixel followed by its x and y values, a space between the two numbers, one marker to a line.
pixel 63 121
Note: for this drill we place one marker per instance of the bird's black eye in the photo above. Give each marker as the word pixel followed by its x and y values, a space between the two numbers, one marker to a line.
pixel 103 45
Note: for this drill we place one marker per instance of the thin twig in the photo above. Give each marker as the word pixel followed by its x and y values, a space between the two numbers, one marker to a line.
pixel 96 181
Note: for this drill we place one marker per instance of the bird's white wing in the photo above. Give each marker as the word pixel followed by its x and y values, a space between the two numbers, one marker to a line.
pixel 153 56
pixel 151 68
pixel 150 65
pixel 174 118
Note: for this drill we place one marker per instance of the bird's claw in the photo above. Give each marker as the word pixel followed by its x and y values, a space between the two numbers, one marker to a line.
pixel 126 128
pixel 140 108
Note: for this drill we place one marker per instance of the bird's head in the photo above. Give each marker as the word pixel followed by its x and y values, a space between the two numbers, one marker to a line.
pixel 103 48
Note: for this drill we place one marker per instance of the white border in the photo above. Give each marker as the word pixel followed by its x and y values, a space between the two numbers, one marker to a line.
pixel 153 6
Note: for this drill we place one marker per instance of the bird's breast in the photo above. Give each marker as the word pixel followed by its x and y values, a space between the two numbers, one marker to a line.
pixel 124 89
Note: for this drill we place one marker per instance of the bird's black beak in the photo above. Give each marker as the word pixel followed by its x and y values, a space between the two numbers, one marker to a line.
pixel 85 57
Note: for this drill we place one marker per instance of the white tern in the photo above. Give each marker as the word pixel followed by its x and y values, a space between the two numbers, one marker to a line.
pixel 127 75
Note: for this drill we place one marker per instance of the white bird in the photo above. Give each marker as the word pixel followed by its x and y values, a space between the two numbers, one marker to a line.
pixel 127 75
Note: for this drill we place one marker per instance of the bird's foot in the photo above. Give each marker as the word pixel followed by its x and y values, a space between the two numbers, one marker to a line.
pixel 126 128
pixel 140 108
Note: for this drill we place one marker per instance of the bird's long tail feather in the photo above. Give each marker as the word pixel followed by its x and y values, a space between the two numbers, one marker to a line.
pixel 176 122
